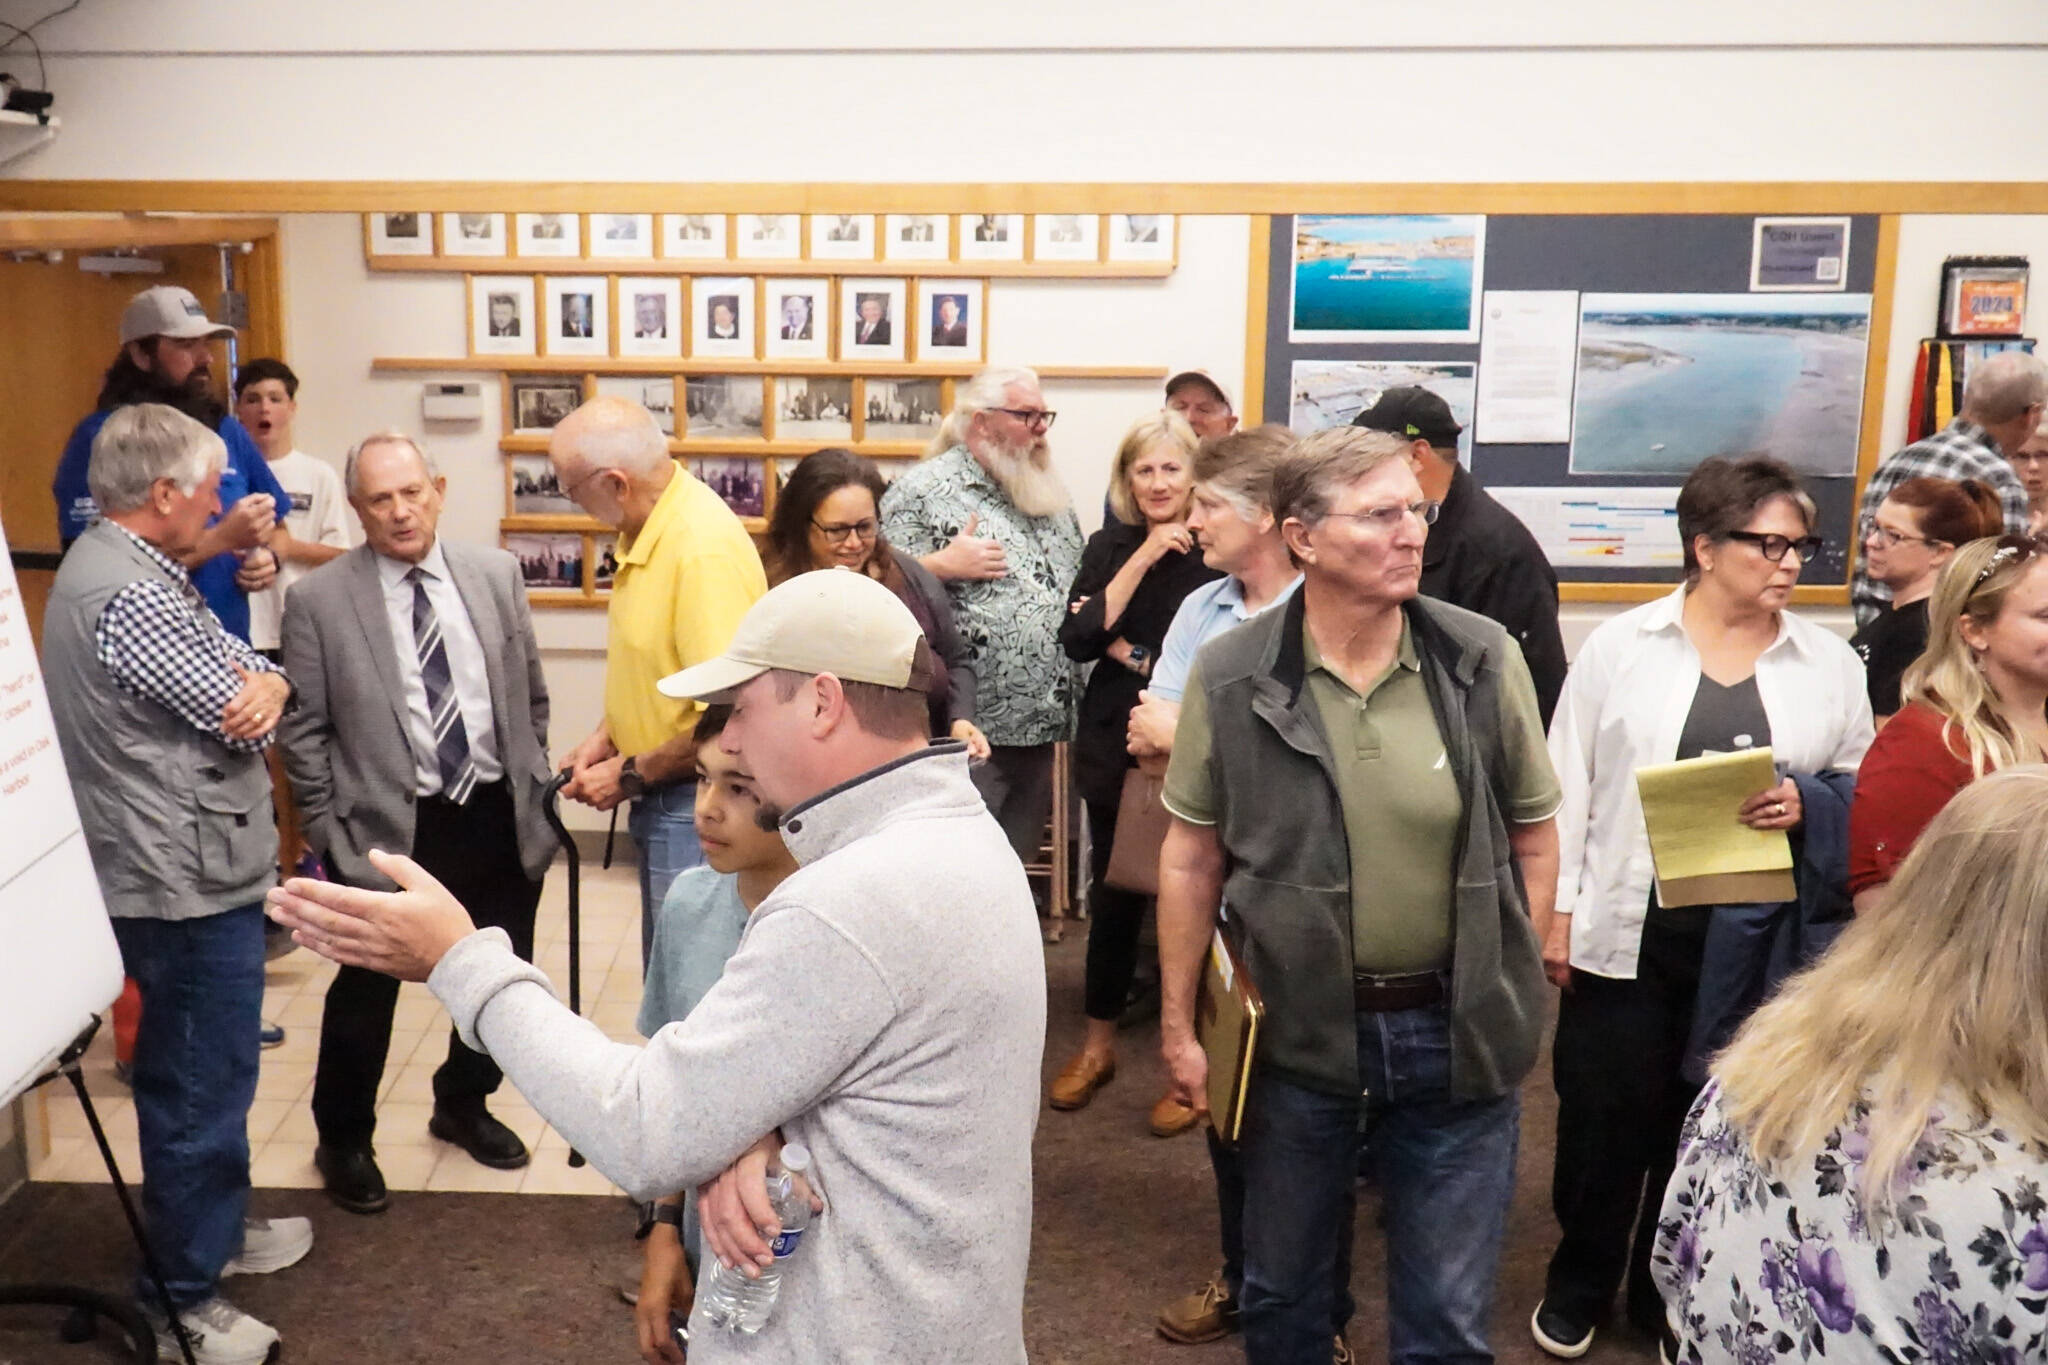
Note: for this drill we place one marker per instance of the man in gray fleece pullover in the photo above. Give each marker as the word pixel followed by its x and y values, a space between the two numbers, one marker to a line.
pixel 886 1006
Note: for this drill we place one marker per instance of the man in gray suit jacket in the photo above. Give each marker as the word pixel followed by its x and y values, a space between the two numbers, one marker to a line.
pixel 422 726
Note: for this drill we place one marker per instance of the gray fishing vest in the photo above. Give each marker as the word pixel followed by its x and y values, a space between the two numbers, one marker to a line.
pixel 179 824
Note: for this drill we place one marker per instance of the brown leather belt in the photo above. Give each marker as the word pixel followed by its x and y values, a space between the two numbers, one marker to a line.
pixel 1384 994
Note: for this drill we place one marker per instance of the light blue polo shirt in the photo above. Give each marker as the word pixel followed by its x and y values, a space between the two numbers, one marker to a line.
pixel 1204 614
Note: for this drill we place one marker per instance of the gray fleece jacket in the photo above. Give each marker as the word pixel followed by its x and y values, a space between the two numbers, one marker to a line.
pixel 886 1008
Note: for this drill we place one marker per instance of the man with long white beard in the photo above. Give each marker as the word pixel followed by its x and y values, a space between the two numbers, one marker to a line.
pixel 987 515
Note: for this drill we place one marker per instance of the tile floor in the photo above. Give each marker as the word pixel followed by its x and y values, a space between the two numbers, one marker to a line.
pixel 281 1136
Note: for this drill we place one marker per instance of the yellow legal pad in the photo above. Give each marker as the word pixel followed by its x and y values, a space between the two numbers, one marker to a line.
pixel 1227 1015
pixel 1703 854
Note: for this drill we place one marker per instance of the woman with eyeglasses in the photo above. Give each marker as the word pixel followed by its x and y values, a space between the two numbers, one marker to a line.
pixel 1717 666
pixel 1134 573
pixel 2030 462
pixel 827 517
pixel 1906 541
pixel 1976 700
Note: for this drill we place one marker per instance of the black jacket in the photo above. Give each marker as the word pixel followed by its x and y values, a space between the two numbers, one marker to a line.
pixel 1480 557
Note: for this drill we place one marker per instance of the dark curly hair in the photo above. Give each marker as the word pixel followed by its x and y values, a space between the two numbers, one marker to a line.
pixel 818 476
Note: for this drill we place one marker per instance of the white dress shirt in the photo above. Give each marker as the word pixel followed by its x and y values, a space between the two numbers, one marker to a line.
pixel 465 668
pixel 1624 706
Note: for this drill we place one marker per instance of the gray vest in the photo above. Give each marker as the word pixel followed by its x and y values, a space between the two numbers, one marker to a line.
pixel 179 824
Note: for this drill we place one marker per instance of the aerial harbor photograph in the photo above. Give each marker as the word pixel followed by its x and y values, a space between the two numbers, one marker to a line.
pixel 1392 277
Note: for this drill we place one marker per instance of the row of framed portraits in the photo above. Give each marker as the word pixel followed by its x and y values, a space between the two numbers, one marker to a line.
pixel 1052 237
pixel 875 416
pixel 738 317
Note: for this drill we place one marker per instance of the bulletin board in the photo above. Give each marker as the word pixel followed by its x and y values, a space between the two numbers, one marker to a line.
pixel 1804 380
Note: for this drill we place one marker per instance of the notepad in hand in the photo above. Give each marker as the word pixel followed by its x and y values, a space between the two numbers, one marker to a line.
pixel 1227 1015
pixel 1703 854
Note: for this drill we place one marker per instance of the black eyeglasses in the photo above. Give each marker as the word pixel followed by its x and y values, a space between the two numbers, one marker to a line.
pixel 1775 546
pixel 2011 550
pixel 1889 538
pixel 853 530
pixel 1039 419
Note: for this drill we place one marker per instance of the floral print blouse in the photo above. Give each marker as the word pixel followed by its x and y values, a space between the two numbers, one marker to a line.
pixel 1760 1265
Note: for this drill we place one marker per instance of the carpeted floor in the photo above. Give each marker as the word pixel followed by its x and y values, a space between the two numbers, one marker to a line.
pixel 1124 1223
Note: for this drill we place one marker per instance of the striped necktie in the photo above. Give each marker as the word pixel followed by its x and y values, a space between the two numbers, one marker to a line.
pixel 451 740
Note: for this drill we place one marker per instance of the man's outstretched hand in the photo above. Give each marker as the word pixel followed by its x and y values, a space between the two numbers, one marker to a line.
pixel 401 933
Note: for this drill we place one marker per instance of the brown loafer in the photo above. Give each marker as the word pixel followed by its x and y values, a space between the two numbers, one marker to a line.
pixel 1079 1080
pixel 1207 1314
pixel 1171 1118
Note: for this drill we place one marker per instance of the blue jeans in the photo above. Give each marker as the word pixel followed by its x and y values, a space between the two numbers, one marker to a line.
pixel 195 1074
pixel 663 824
pixel 1446 1169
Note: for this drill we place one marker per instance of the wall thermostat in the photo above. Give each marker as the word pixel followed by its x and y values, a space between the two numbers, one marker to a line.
pixel 457 401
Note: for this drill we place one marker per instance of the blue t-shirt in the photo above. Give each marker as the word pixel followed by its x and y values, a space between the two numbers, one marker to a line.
pixel 696 929
pixel 246 472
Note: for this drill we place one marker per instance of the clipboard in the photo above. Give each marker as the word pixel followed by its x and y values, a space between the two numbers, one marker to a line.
pixel 1228 1012
pixel 1703 855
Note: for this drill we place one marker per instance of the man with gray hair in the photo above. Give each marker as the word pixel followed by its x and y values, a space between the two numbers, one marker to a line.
pixel 987 515
pixel 422 726
pixel 163 716
pixel 2002 405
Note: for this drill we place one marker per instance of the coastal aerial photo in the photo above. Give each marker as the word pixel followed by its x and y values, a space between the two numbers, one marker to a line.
pixel 1329 393
pixel 1387 277
pixel 1667 380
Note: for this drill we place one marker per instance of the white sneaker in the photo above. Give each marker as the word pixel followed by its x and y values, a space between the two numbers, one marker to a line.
pixel 221 1334
pixel 271 1244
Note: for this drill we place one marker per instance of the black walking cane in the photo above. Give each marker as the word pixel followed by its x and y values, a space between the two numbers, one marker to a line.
pixel 554 815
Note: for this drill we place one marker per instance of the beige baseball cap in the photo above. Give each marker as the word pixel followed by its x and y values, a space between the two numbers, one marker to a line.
pixel 828 621
pixel 168 311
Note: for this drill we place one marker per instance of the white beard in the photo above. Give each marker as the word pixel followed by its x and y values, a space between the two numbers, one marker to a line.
pixel 1028 478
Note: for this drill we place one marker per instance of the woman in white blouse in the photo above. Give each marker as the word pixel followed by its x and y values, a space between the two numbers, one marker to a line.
pixel 1717 666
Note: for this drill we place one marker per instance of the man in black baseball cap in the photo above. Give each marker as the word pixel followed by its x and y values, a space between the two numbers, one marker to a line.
pixel 1479 555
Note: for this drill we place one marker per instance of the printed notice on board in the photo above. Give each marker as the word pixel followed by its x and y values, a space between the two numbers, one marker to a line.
pixel 35 795
pixel 1528 355
pixel 1792 254
pixel 1599 528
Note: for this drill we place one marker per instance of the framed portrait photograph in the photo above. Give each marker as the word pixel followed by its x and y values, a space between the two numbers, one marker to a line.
pixel 871 319
pixel 549 561
pixel 501 316
pixel 916 237
pixel 991 236
pixel 578 315
pixel 1141 236
pixel 799 321
pixel 537 489
pixel 842 236
pixel 604 562
pixel 722 407
pixel 658 396
pixel 473 234
pixel 693 236
pixel 549 234
pixel 770 236
pixel 400 234
pixel 535 403
pixel 901 409
pixel 949 320
pixel 650 315
pixel 814 408
pixel 741 482
pixel 722 317
pixel 1066 237
pixel 627 236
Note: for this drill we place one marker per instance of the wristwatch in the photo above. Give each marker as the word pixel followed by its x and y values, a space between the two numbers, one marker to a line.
pixel 1139 660
pixel 632 785
pixel 654 1212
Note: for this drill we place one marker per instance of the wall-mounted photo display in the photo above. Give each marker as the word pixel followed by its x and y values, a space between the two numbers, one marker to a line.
pixel 534 403
pixel 1141 236
pixel 622 236
pixel 604 562
pixel 814 408
pixel 650 315
pixel 473 234
pixel 741 482
pixel 658 396
pixel 991 236
pixel 890 469
pixel 400 234
pixel 871 319
pixel 549 561
pixel 799 321
pixel 722 318
pixel 722 407
pixel 693 236
pixel 902 409
pixel 549 234
pixel 842 237
pixel 537 490
pixel 949 319
pixel 501 316
pixel 770 236
pixel 1066 237
pixel 916 237
pixel 578 315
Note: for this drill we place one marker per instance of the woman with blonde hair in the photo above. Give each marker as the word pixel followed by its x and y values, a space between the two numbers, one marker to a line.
pixel 1976 700
pixel 1863 1178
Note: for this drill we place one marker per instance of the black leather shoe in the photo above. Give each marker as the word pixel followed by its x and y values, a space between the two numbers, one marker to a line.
pixel 1561 1336
pixel 482 1136
pixel 352 1178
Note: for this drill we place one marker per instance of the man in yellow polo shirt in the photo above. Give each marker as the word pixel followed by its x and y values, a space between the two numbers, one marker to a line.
pixel 687 572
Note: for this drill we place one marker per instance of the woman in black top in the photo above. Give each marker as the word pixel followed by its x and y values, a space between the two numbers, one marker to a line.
pixel 1913 533
pixel 1134 573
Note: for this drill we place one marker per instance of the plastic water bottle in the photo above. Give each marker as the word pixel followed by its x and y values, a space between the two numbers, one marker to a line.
pixel 739 1304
